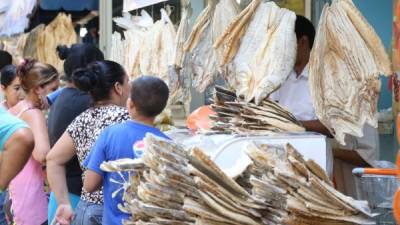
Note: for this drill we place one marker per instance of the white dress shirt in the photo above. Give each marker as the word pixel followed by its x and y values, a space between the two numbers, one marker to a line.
pixel 294 95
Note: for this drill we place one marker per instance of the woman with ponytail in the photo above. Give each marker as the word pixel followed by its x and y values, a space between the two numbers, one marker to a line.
pixel 108 85
pixel 29 200
pixel 68 105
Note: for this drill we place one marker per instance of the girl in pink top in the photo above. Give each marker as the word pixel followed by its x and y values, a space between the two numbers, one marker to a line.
pixel 29 200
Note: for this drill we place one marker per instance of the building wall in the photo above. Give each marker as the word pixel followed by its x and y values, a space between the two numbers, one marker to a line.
pixel 379 14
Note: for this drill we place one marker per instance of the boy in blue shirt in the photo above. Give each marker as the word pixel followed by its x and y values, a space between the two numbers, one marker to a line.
pixel 148 98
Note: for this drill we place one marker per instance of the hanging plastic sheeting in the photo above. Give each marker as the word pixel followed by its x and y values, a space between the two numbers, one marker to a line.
pixel 5 5
pixel 128 22
pixel 130 5
pixel 14 16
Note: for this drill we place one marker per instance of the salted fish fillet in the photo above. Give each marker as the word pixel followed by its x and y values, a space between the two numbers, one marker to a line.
pixel 210 24
pixel 157 52
pixel 344 71
pixel 259 64
pixel 59 32
pixel 182 34
pixel 299 208
pixel 242 219
pixel 369 35
pixel 179 71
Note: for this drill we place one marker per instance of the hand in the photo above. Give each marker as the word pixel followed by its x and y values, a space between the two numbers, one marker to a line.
pixel 64 214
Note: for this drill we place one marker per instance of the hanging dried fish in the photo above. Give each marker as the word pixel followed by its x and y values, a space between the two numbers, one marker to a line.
pixel 59 32
pixel 211 22
pixel 180 72
pixel 157 52
pixel 253 44
pixel 345 65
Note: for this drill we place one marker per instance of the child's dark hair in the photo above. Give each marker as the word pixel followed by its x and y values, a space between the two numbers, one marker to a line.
pixel 150 95
pixel 5 58
pixel 8 75
pixel 78 56
pixel 98 78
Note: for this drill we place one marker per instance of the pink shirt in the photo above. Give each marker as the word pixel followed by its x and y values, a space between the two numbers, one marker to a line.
pixel 29 201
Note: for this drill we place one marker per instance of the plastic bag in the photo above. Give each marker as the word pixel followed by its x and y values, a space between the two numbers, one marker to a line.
pixel 199 119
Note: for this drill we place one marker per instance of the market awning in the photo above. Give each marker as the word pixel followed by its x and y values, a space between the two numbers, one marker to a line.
pixel 69 5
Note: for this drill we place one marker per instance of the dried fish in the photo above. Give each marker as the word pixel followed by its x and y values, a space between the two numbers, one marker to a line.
pixel 227 213
pixel 236 115
pixel 59 32
pixel 204 164
pixel 345 64
pixel 253 44
pixel 176 187
pixel 211 22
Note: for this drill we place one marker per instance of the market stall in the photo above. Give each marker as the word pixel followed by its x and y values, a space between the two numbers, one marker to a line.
pixel 254 56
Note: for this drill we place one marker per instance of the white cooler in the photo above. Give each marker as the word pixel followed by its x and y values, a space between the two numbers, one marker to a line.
pixel 228 151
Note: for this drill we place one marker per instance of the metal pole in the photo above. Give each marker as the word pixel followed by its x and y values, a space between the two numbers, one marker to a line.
pixel 105 26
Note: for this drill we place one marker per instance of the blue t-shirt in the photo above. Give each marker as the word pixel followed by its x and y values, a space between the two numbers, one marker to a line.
pixel 119 141
pixel 8 125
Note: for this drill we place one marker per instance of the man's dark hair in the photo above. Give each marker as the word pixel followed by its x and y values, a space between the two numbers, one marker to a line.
pixel 304 27
pixel 150 95
pixel 5 59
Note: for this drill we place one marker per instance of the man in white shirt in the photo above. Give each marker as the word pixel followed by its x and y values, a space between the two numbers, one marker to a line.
pixel 294 94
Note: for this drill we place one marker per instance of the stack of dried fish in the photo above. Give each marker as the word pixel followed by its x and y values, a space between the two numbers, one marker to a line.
pixel 190 189
pixel 238 116
pixel 299 191
pixel 173 186
pixel 165 183
pixel 261 45
pixel 345 65
pixel 211 23
pixel 59 32
pixel 178 187
pixel 221 199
